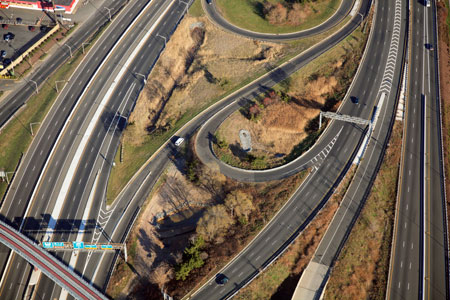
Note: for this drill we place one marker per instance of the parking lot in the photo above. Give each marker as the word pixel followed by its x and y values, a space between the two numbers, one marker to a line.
pixel 22 39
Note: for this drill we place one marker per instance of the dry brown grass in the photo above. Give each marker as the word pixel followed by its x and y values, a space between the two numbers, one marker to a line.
pixel 281 126
pixel 223 59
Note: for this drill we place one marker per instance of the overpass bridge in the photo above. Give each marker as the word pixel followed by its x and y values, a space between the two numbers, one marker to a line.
pixel 48 264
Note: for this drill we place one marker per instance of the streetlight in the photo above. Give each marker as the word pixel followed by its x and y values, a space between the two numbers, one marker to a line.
pixel 163 37
pixel 82 45
pixel 70 50
pixel 145 79
pixel 109 12
pixel 37 90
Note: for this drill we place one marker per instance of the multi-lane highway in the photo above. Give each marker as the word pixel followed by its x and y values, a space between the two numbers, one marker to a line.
pixel 419 263
pixel 46 209
pixel 48 264
pixel 20 95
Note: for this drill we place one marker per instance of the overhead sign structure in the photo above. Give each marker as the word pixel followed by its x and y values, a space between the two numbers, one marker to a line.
pixel 78 245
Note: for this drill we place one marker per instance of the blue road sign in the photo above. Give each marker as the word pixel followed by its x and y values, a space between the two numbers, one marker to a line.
pixel 78 245
pixel 87 246
pixel 58 244
pixel 106 246
pixel 47 245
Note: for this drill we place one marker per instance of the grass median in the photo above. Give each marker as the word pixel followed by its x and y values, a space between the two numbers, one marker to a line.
pixel 251 15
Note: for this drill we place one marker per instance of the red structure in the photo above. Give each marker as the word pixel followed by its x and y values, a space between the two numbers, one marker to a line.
pixel 68 5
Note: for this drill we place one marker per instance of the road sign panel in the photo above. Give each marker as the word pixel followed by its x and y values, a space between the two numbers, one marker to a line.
pixel 87 246
pixel 78 245
pixel 47 245
pixel 58 244
pixel 106 247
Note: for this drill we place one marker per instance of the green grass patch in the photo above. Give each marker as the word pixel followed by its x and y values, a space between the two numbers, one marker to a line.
pixel 248 14
pixel 196 9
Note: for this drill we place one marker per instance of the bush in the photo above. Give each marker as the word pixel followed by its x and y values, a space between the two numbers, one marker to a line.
pixel 191 260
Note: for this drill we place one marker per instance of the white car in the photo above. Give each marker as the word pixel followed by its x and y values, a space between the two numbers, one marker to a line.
pixel 428 3
pixel 179 141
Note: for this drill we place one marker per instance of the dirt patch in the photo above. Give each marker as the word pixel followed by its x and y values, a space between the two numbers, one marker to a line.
pixel 282 125
pixel 444 79
pixel 362 268
pixel 211 60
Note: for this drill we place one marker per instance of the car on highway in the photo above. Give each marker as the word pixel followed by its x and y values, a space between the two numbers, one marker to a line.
pixel 179 141
pixel 428 3
pixel 354 99
pixel 221 279
pixel 3 53
pixel 429 46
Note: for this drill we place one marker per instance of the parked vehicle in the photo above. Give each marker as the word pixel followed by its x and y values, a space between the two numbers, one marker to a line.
pixel 179 141
pixel 5 26
pixel 3 53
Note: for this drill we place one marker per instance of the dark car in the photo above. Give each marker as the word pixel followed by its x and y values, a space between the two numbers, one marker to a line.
pixel 3 53
pixel 31 28
pixel 209 1
pixel 5 26
pixel 19 20
pixel 354 99
pixel 221 279
pixel 429 46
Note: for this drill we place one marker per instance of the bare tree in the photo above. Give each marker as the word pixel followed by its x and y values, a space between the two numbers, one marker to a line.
pixel 214 223
pixel 161 274
pixel 239 203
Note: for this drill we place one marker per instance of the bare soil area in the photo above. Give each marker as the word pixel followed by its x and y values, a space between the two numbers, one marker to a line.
pixel 211 60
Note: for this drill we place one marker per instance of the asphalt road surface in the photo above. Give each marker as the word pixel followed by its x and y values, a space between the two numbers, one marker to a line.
pixel 19 97
pixel 15 203
pixel 215 16
pixel 419 265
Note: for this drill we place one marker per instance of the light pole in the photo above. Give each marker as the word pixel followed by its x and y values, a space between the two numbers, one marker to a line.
pixel 70 49
pixel 56 84
pixel 82 45
pixel 35 84
pixel 163 37
pixel 145 79
pixel 109 13
pixel 31 127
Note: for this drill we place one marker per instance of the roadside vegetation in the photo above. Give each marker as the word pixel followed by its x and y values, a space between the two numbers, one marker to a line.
pixel 15 137
pixel 361 271
pixel 443 11
pixel 193 224
pixel 280 279
pixel 200 65
pixel 277 16
pixel 283 122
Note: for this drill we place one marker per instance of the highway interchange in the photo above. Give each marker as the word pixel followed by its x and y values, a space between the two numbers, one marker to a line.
pixel 78 177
